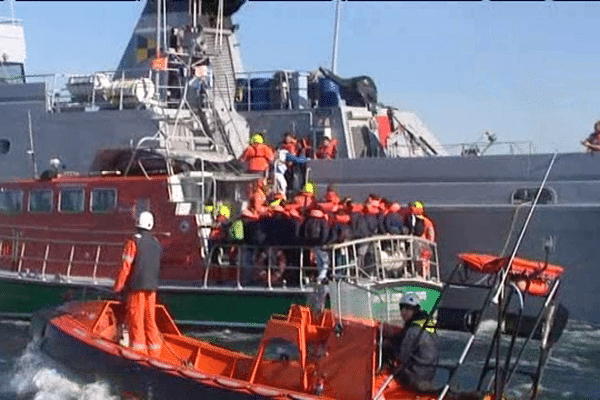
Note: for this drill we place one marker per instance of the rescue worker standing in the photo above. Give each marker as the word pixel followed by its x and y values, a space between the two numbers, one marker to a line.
pixel 421 226
pixel 414 350
pixel 258 156
pixel 138 277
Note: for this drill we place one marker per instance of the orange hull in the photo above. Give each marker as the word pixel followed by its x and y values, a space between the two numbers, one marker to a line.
pixel 322 364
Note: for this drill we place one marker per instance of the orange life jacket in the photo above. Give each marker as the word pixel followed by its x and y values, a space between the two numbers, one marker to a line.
pixel 328 151
pixel 258 157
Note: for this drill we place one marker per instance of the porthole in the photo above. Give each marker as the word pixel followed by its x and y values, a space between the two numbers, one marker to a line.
pixel 528 195
pixel 4 146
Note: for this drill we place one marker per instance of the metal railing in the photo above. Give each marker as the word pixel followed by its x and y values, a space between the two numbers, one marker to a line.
pixel 18 252
pixel 271 90
pixel 386 257
pixel 376 259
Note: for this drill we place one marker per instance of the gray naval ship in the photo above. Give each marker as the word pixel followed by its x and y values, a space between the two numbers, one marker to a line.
pixel 180 89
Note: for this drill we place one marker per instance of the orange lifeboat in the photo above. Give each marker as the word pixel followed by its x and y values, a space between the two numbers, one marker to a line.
pixel 533 277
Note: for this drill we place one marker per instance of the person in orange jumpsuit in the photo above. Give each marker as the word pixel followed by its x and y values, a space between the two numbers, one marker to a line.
pixel 258 156
pixel 138 278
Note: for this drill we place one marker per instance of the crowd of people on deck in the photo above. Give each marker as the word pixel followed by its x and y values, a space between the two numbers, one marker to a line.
pixel 284 210
pixel 271 220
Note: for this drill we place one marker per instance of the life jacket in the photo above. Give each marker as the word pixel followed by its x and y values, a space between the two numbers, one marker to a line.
pixel 331 203
pixel 236 230
pixel 305 200
pixel 257 198
pixel 146 265
pixel 292 147
pixel 342 218
pixel 258 156
pixel 429 230
pixel 431 326
pixel 250 214
pixel 327 151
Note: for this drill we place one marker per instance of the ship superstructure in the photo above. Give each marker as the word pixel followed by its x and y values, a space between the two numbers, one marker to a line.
pixel 180 90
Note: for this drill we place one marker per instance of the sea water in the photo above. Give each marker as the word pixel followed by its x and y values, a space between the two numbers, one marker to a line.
pixel 573 371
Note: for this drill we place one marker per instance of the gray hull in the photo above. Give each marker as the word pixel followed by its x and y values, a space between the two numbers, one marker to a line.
pixel 74 136
pixel 471 201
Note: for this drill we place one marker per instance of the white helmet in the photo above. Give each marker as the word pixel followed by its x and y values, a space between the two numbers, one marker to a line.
pixel 410 299
pixel 145 220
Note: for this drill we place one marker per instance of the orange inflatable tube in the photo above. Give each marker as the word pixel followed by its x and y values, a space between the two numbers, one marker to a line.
pixel 490 264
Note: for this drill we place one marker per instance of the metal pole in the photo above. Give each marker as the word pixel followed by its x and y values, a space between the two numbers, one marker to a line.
pixel 518 244
pixel 31 146
pixel 335 37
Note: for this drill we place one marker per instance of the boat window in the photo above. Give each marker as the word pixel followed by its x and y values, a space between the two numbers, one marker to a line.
pixel 40 200
pixel 72 200
pixel 11 201
pixel 103 200
pixel 281 349
pixel 526 195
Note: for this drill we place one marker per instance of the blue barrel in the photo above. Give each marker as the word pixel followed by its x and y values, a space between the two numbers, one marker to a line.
pixel 259 96
pixel 330 93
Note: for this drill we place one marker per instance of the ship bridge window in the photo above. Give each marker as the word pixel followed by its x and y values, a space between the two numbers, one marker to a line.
pixel 12 73
pixel 11 201
pixel 40 200
pixel 103 200
pixel 527 195
pixel 72 200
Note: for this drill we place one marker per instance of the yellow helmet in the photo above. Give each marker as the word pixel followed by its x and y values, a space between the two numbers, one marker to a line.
pixel 309 187
pixel 257 138
pixel 418 204
pixel 225 211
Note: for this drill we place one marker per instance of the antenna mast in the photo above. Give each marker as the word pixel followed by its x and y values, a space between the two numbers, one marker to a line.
pixel 335 37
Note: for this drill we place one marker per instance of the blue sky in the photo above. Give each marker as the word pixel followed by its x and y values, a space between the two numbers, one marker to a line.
pixel 527 71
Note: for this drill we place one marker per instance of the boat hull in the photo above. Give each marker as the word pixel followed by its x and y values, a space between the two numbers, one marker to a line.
pixel 191 305
pixel 472 203
pixel 129 376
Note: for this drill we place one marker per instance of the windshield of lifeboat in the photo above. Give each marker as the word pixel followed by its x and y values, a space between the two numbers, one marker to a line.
pixel 196 192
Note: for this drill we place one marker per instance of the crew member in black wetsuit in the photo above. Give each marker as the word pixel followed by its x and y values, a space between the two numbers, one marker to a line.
pixel 414 350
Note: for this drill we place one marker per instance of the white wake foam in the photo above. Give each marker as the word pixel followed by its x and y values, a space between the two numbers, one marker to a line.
pixel 39 376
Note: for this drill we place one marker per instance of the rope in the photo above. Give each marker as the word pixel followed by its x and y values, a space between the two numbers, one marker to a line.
pixel 512 227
